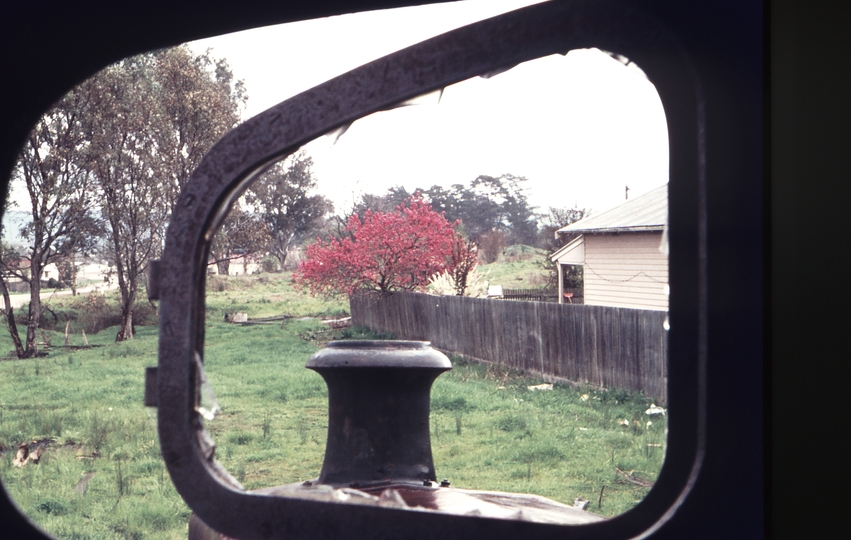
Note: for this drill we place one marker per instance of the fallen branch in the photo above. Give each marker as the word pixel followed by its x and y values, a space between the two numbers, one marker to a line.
pixel 632 479
pixel 265 320
pixel 338 323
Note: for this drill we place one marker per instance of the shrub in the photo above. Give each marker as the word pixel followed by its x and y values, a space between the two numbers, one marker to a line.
pixel 144 314
pixel 52 506
pixel 91 313
pixel 217 284
pixel 450 404
pixel 511 422
pixel 269 265
pixel 490 245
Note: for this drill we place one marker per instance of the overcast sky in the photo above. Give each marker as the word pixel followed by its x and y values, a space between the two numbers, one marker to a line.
pixel 580 127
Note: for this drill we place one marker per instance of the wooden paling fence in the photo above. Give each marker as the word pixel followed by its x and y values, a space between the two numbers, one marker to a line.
pixel 542 295
pixel 532 295
pixel 603 346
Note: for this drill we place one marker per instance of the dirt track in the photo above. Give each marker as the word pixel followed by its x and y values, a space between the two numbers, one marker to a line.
pixel 20 299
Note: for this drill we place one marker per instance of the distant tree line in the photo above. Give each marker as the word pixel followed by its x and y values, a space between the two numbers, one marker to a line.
pixel 103 167
pixel 378 246
pixel 494 213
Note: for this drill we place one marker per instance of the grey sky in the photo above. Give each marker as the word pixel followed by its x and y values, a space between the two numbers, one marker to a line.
pixel 580 127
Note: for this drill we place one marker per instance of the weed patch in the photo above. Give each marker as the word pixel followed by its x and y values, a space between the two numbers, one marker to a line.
pixel 240 439
pixel 512 422
pixel 52 506
pixel 445 403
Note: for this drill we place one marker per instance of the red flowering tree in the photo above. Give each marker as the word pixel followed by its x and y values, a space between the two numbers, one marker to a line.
pixel 385 252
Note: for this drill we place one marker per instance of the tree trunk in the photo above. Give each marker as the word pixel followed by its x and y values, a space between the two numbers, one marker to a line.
pixel 73 274
pixel 34 316
pixel 125 331
pixel 281 255
pixel 223 266
pixel 10 319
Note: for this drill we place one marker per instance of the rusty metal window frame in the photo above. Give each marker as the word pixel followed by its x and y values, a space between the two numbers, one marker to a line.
pixel 485 47
pixel 481 48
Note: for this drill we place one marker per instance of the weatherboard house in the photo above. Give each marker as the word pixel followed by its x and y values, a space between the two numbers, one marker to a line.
pixel 623 253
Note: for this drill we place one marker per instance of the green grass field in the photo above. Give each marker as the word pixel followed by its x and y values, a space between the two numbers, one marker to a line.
pixel 488 430
pixel 518 267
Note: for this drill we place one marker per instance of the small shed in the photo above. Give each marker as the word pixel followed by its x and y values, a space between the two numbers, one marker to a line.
pixel 623 253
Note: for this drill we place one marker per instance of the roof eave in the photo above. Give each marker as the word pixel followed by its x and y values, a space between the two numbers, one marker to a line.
pixel 610 230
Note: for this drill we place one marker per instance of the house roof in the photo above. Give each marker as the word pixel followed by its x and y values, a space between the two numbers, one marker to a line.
pixel 649 212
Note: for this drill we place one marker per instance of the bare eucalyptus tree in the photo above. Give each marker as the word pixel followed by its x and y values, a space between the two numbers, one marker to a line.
pixel 157 114
pixel 282 197
pixel 200 101
pixel 53 170
pixel 241 235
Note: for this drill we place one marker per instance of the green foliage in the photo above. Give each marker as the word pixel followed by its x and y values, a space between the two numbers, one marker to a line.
pixel 269 265
pixel 52 506
pixel 240 438
pixel 242 234
pixel 97 432
pixel 90 313
pixel 47 423
pixel 281 198
pixel 445 403
pixel 512 422
pixel 488 204
pixel 564 443
pixel 517 267
pixel 266 295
